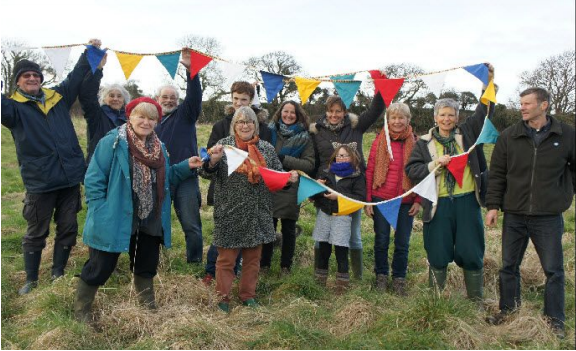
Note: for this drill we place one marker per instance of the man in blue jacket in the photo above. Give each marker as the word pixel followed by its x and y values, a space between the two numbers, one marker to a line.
pixel 178 132
pixel 51 162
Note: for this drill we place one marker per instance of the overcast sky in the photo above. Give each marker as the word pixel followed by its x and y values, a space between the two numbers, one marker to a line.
pixel 325 37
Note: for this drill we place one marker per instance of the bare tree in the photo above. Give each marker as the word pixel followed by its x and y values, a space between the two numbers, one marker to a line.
pixel 556 74
pixel 11 55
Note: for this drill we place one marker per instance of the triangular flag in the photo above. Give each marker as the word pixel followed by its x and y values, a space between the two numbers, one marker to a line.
pixel 308 187
pixel 274 180
pixel 434 82
pixel 345 206
pixel 230 71
pixel 273 83
pixel 94 56
pixel 305 87
pixel 387 136
pixel 427 188
pixel 128 62
pixel 197 62
pixel 388 88
pixel 389 210
pixel 479 71
pixel 377 74
pixel 235 158
pixel 346 90
pixel 489 134
pixel 170 62
pixel 489 94
pixel 204 155
pixel 456 167
pixel 58 57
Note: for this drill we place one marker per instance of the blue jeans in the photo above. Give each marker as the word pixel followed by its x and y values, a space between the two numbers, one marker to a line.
pixel 546 235
pixel 355 236
pixel 401 241
pixel 187 201
pixel 211 258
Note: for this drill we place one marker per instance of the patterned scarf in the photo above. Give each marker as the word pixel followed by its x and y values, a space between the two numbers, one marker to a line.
pixel 295 134
pixel 254 159
pixel 449 144
pixel 147 164
pixel 383 158
pixel 342 169
pixel 40 97
pixel 333 127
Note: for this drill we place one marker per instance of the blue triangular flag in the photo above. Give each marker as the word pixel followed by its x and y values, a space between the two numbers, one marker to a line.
pixel 390 211
pixel 94 56
pixel 170 62
pixel 489 134
pixel 346 90
pixel 307 188
pixel 479 71
pixel 204 155
pixel 273 83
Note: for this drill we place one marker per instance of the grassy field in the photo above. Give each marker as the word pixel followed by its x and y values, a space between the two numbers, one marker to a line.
pixel 295 314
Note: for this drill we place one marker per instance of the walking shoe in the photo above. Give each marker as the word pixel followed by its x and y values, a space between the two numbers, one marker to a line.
pixel 298 231
pixel 284 272
pixel 26 288
pixel 207 280
pixel 498 318
pixel 250 303
pixel 381 282
pixel 399 286
pixel 321 276
pixel 342 282
pixel 264 270
pixel 559 332
pixel 224 307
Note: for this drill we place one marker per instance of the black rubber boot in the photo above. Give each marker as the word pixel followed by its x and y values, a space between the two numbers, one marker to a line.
pixel 357 263
pixel 85 295
pixel 474 281
pixel 145 290
pixel 60 260
pixel 31 266
pixel 437 277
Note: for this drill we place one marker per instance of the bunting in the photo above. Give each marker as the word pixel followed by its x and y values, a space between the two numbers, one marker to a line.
pixel 489 134
pixel 305 87
pixel 479 71
pixel 456 167
pixel 230 71
pixel 435 82
pixel 274 180
pixel 489 94
pixel 427 188
pixel 390 210
pixel 128 62
pixel 388 88
pixel 377 74
pixel 204 155
pixel 94 56
pixel 235 158
pixel 346 90
pixel 170 62
pixel 273 83
pixel 308 187
pixel 346 206
pixel 197 62
pixel 58 57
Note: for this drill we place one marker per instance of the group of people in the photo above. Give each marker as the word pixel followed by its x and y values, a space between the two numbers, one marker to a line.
pixel 142 156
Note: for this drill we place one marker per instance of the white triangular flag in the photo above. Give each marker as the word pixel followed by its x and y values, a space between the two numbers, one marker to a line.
pixel 230 71
pixel 256 100
pixel 59 58
pixel 235 157
pixel 427 188
pixel 387 136
pixel 435 82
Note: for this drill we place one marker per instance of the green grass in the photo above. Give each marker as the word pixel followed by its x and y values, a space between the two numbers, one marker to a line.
pixel 295 313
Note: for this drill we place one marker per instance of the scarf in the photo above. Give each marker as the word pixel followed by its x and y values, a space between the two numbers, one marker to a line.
pixel 118 117
pixel 383 158
pixel 449 144
pixel 334 127
pixel 296 138
pixel 254 159
pixel 342 169
pixel 40 97
pixel 147 163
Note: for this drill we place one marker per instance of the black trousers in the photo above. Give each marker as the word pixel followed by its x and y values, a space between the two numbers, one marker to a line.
pixel 341 256
pixel 288 245
pixel 38 209
pixel 144 257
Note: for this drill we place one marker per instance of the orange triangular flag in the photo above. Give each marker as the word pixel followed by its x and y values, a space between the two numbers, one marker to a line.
pixel 388 88
pixel 128 62
pixel 305 87
pixel 456 167
pixel 345 206
pixel 197 62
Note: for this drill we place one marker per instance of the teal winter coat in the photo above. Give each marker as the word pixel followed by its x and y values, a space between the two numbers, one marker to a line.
pixel 109 194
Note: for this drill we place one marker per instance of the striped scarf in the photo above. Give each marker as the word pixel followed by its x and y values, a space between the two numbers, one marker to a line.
pixel 449 144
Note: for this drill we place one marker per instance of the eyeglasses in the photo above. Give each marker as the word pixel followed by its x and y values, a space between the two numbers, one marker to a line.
pixel 30 74
pixel 245 123
pixel 342 156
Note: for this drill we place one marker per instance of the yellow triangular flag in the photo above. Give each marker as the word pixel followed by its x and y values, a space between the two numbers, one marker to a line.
pixel 489 94
pixel 305 87
pixel 128 63
pixel 345 206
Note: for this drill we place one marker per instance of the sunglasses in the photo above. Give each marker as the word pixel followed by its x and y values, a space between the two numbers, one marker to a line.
pixel 30 74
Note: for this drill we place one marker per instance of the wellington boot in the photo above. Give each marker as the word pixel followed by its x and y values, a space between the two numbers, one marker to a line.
pixel 321 276
pixel 357 263
pixel 85 295
pixel 342 282
pixel 60 260
pixel 145 290
pixel 437 277
pixel 474 281
pixel 31 266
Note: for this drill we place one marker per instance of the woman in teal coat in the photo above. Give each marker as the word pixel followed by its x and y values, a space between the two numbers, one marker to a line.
pixel 127 191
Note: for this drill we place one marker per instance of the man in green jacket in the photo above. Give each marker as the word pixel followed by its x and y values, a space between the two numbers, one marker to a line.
pixel 532 180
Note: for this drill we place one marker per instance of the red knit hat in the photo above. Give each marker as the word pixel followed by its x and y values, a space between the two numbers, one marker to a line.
pixel 136 102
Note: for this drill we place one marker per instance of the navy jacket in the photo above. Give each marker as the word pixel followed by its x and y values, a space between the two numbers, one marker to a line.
pixel 49 155
pixel 177 130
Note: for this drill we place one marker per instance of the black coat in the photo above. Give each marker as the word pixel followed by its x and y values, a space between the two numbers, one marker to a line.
pixel 353 186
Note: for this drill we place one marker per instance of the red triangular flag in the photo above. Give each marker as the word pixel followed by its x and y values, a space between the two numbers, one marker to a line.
pixel 388 88
pixel 197 62
pixel 456 167
pixel 376 74
pixel 274 180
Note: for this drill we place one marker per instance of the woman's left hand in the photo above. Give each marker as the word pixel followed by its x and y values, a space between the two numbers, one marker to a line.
pixel 413 211
pixel 185 58
pixel 194 162
pixel 293 177
pixel 331 196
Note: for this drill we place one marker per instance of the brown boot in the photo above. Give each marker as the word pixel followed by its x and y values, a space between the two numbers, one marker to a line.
pixel 321 276
pixel 381 282
pixel 342 282
pixel 399 286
